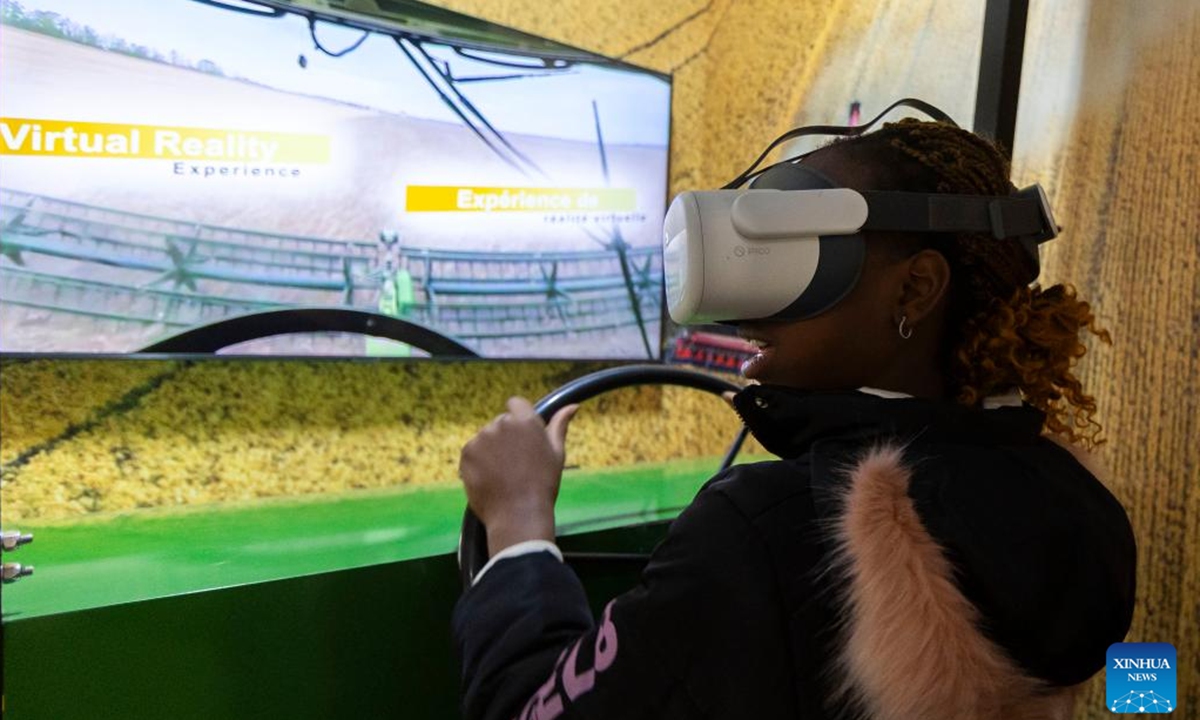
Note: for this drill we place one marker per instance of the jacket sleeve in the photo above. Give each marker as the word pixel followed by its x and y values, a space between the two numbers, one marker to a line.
pixel 530 648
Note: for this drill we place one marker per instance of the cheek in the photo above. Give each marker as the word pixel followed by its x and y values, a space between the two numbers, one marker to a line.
pixel 836 351
pixel 825 356
pixel 848 349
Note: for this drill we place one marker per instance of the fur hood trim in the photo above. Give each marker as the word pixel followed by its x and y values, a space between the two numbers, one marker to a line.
pixel 912 646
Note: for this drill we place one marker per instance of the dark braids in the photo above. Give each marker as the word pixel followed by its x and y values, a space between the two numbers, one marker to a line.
pixel 1002 333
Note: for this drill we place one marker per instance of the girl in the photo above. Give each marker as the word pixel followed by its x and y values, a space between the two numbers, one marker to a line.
pixel 927 546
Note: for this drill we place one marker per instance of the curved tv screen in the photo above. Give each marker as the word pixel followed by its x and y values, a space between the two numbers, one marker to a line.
pixel 170 168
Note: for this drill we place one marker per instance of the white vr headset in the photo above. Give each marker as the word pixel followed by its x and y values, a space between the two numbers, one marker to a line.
pixel 791 246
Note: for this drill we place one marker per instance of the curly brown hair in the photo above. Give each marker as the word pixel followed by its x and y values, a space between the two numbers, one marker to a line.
pixel 1003 333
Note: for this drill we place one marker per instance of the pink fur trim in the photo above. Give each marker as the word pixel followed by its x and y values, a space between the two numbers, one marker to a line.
pixel 913 649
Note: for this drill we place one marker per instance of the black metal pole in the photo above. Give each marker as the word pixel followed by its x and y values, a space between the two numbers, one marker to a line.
pixel 1000 70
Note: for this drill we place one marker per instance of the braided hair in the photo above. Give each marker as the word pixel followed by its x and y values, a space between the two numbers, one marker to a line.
pixel 1002 332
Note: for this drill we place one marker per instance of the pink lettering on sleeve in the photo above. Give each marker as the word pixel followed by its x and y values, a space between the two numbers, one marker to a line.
pixel 606 641
pixel 546 704
pixel 576 683
pixel 549 702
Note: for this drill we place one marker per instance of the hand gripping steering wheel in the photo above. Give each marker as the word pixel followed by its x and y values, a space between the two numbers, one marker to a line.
pixel 472 543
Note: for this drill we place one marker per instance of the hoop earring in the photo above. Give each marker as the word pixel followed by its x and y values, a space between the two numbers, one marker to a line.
pixel 904 335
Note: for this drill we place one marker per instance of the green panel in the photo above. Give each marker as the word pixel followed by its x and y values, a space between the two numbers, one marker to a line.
pixel 363 643
pixel 145 555
pixel 335 608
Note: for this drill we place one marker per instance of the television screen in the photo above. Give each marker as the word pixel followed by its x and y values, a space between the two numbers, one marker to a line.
pixel 170 165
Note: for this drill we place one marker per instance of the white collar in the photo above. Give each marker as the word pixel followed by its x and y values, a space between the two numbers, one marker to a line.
pixel 886 394
pixel 1009 399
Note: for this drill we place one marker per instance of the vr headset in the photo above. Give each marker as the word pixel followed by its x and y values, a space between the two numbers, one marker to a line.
pixel 789 245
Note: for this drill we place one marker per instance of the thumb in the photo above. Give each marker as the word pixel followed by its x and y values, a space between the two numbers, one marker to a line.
pixel 520 407
pixel 556 429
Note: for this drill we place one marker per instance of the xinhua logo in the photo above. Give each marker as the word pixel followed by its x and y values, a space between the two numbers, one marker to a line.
pixel 1140 678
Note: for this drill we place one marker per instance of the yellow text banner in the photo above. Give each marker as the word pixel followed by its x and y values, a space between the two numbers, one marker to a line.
pixel 455 198
pixel 71 138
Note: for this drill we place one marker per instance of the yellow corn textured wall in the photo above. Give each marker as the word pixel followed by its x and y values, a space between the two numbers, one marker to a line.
pixel 84 437
pixel 1108 123
pixel 1109 105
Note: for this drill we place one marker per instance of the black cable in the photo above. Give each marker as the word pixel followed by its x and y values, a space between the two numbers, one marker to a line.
pixel 475 111
pixel 312 31
pixel 844 130
pixel 399 40
pixel 734 448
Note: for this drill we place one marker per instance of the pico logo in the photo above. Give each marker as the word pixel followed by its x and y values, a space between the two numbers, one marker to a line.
pixel 1140 678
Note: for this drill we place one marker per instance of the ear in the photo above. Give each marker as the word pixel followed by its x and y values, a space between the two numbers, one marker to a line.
pixel 925 282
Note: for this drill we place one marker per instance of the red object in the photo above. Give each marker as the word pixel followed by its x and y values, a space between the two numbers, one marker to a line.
pixel 710 350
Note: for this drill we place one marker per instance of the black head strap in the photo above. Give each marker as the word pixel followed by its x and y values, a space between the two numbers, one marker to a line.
pixel 1003 217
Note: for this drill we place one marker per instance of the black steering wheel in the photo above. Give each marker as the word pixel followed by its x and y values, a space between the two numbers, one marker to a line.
pixel 472 543
pixel 252 326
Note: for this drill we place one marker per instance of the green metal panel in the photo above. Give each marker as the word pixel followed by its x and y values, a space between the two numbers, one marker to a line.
pixel 334 608
pixel 364 643
pixel 369 642
pixel 145 555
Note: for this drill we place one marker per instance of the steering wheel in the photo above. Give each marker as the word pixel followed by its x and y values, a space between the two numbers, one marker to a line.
pixel 252 326
pixel 472 543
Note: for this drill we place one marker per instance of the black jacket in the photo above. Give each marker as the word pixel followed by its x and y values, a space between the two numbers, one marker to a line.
pixel 904 558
